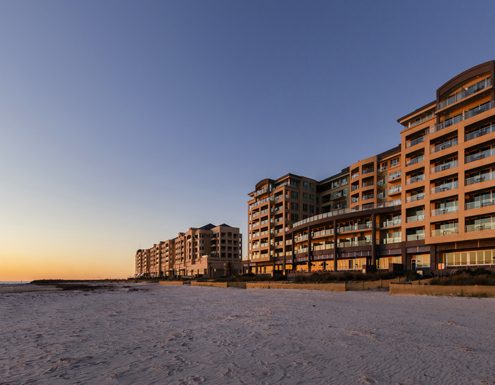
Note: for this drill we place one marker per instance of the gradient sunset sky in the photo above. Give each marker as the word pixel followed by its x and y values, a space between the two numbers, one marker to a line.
pixel 125 122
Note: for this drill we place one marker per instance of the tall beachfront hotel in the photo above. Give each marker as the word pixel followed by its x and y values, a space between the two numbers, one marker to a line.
pixel 427 204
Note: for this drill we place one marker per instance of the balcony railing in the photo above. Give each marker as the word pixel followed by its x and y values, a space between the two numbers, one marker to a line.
pixel 481 226
pixel 327 246
pixel 444 231
pixel 465 93
pixel 417 178
pixel 444 166
pixel 415 237
pixel 322 233
pixel 355 175
pixel 480 132
pixel 480 155
pixel 415 160
pixel 416 141
pixel 477 204
pixel 368 171
pixel 394 176
pixel 444 210
pixel 480 178
pixel 361 226
pixel 333 213
pixel 416 197
pixel 415 218
pixel 444 187
pixel 391 223
pixel 445 145
pixel 354 243
pixel 395 190
pixel 468 114
pixel 388 240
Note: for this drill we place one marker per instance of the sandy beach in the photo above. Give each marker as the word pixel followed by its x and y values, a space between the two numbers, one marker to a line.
pixel 150 334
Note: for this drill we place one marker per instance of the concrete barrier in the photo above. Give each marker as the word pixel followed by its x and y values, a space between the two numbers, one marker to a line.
pixel 452 290
pixel 297 286
pixel 172 283
pixel 209 284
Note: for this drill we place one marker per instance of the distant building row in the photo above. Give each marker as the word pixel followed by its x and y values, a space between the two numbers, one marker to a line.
pixel 211 251
pixel 427 204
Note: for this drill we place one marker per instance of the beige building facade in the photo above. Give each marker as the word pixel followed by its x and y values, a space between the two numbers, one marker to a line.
pixel 211 251
pixel 427 204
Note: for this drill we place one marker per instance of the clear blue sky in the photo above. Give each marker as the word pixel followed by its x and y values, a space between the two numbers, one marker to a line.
pixel 124 122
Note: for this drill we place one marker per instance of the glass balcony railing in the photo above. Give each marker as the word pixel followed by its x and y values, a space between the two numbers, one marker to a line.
pixel 445 145
pixel 417 178
pixel 444 231
pixel 480 155
pixel 468 114
pixel 415 218
pixel 481 226
pixel 388 240
pixel 478 110
pixel 354 243
pixel 416 141
pixel 480 178
pixel 322 233
pixel 416 160
pixel 416 197
pixel 480 132
pixel 394 176
pixel 465 93
pixel 395 190
pixel 444 187
pixel 479 203
pixel 392 223
pixel 444 166
pixel 415 237
pixel 444 210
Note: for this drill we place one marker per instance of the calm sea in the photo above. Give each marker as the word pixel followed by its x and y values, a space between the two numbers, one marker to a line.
pixel 13 282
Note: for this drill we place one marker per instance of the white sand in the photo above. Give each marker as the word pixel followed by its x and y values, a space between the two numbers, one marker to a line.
pixel 194 335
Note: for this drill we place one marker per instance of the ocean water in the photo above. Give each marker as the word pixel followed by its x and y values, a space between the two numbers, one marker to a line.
pixel 13 282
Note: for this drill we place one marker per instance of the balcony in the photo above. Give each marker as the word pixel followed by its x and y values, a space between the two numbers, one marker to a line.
pixel 445 231
pixel 416 237
pixel 445 145
pixel 489 225
pixel 416 178
pixel 480 178
pixel 394 176
pixel 354 187
pixel 395 190
pixel 355 243
pixel 465 93
pixel 444 210
pixel 415 160
pixel 480 155
pixel 444 187
pixel 416 197
pixel 392 223
pixel 301 238
pixel 466 115
pixel 423 119
pixel 479 203
pixel 389 240
pixel 444 166
pixel 416 141
pixel 327 246
pixel 355 175
pixel 480 132
pixel 322 233
pixel 415 218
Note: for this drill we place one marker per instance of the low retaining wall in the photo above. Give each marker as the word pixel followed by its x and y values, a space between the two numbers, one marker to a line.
pixel 172 283
pixel 463 291
pixel 210 284
pixel 297 286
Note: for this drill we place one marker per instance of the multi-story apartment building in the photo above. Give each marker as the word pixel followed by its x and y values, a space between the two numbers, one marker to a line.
pixel 428 203
pixel 205 251
pixel 273 207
